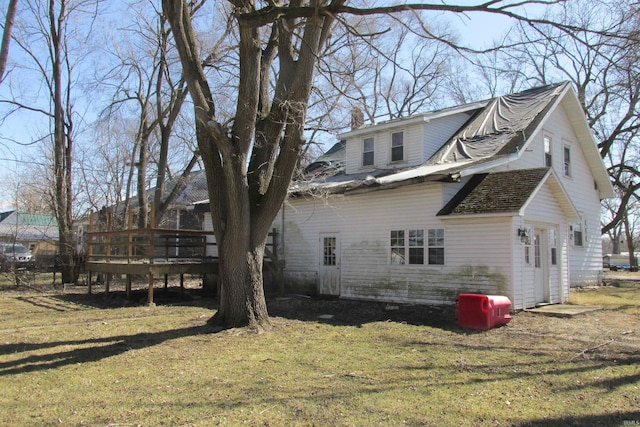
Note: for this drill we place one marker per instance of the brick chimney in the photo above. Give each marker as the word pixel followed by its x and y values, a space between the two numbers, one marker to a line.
pixel 357 118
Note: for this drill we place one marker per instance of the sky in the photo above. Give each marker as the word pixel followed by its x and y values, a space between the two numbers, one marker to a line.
pixel 17 159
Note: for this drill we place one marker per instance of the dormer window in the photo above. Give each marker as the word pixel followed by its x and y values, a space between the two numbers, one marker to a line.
pixel 397 147
pixel 367 152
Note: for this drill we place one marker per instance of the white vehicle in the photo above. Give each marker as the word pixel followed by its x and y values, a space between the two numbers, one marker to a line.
pixel 15 254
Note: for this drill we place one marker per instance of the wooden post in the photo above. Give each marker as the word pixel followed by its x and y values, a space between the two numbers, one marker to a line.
pixel 129 234
pixel 89 249
pixel 127 286
pixel 150 295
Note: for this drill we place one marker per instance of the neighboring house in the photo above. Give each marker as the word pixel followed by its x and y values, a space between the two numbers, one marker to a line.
pixel 180 214
pixel 498 197
pixel 28 229
pixel 38 232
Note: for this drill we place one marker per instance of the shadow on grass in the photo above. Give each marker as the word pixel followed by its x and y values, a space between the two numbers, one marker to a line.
pixel 337 312
pixel 620 419
pixel 91 350
pixel 117 299
pixel 341 312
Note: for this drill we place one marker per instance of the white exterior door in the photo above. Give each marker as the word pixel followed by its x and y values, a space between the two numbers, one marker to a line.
pixel 541 265
pixel 329 270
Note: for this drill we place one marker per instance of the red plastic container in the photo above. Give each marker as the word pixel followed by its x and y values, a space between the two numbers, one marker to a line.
pixel 477 311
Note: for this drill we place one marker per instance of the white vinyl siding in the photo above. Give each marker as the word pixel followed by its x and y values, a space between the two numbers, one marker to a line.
pixel 438 132
pixel 585 263
pixel 420 141
pixel 544 213
pixel 365 222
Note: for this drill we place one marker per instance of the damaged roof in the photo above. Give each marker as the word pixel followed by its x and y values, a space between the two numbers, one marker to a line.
pixel 502 127
pixel 499 127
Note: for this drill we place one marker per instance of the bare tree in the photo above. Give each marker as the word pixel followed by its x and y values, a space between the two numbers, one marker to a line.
pixel 48 44
pixel 6 36
pixel 146 83
pixel 602 62
pixel 249 161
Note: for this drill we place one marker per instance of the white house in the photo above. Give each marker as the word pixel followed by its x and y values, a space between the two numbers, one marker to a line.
pixel 497 197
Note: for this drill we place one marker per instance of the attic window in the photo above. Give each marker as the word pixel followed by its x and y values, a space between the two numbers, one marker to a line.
pixel 567 161
pixel 367 152
pixel 397 147
pixel 547 151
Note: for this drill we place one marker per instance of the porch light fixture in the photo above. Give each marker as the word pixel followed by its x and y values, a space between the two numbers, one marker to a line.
pixel 523 233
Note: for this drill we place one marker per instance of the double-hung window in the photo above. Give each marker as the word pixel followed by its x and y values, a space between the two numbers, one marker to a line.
pixel 547 151
pixel 397 146
pixel 436 246
pixel 567 161
pixel 408 247
pixel 577 234
pixel 416 246
pixel 367 152
pixel 397 247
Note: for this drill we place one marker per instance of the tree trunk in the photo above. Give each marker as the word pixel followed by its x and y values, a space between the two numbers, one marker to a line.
pixel 6 36
pixel 242 301
pixel 62 141
pixel 245 197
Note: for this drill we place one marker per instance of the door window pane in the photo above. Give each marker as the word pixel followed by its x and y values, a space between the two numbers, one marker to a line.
pixel 329 245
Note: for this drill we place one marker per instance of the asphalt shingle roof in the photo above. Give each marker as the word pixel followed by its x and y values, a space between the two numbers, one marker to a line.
pixel 498 192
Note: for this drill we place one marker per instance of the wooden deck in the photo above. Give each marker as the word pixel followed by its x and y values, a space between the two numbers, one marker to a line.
pixel 155 252
pixel 151 253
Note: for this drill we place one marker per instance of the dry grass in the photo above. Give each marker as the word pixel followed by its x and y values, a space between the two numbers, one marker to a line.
pixel 76 360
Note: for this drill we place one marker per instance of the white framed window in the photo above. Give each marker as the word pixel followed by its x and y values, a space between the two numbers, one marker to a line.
pixel 368 152
pixel 567 160
pixel 329 245
pixel 548 158
pixel 397 247
pixel 397 146
pixel 416 246
pixel 553 245
pixel 436 246
pixel 407 247
pixel 526 238
pixel 576 230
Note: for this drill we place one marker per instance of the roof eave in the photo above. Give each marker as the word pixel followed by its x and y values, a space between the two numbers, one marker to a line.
pixel 479 215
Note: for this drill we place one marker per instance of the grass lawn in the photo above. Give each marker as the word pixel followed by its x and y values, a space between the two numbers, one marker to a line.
pixel 75 360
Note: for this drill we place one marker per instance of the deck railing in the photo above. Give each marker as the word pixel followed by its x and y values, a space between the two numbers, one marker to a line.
pixel 149 245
